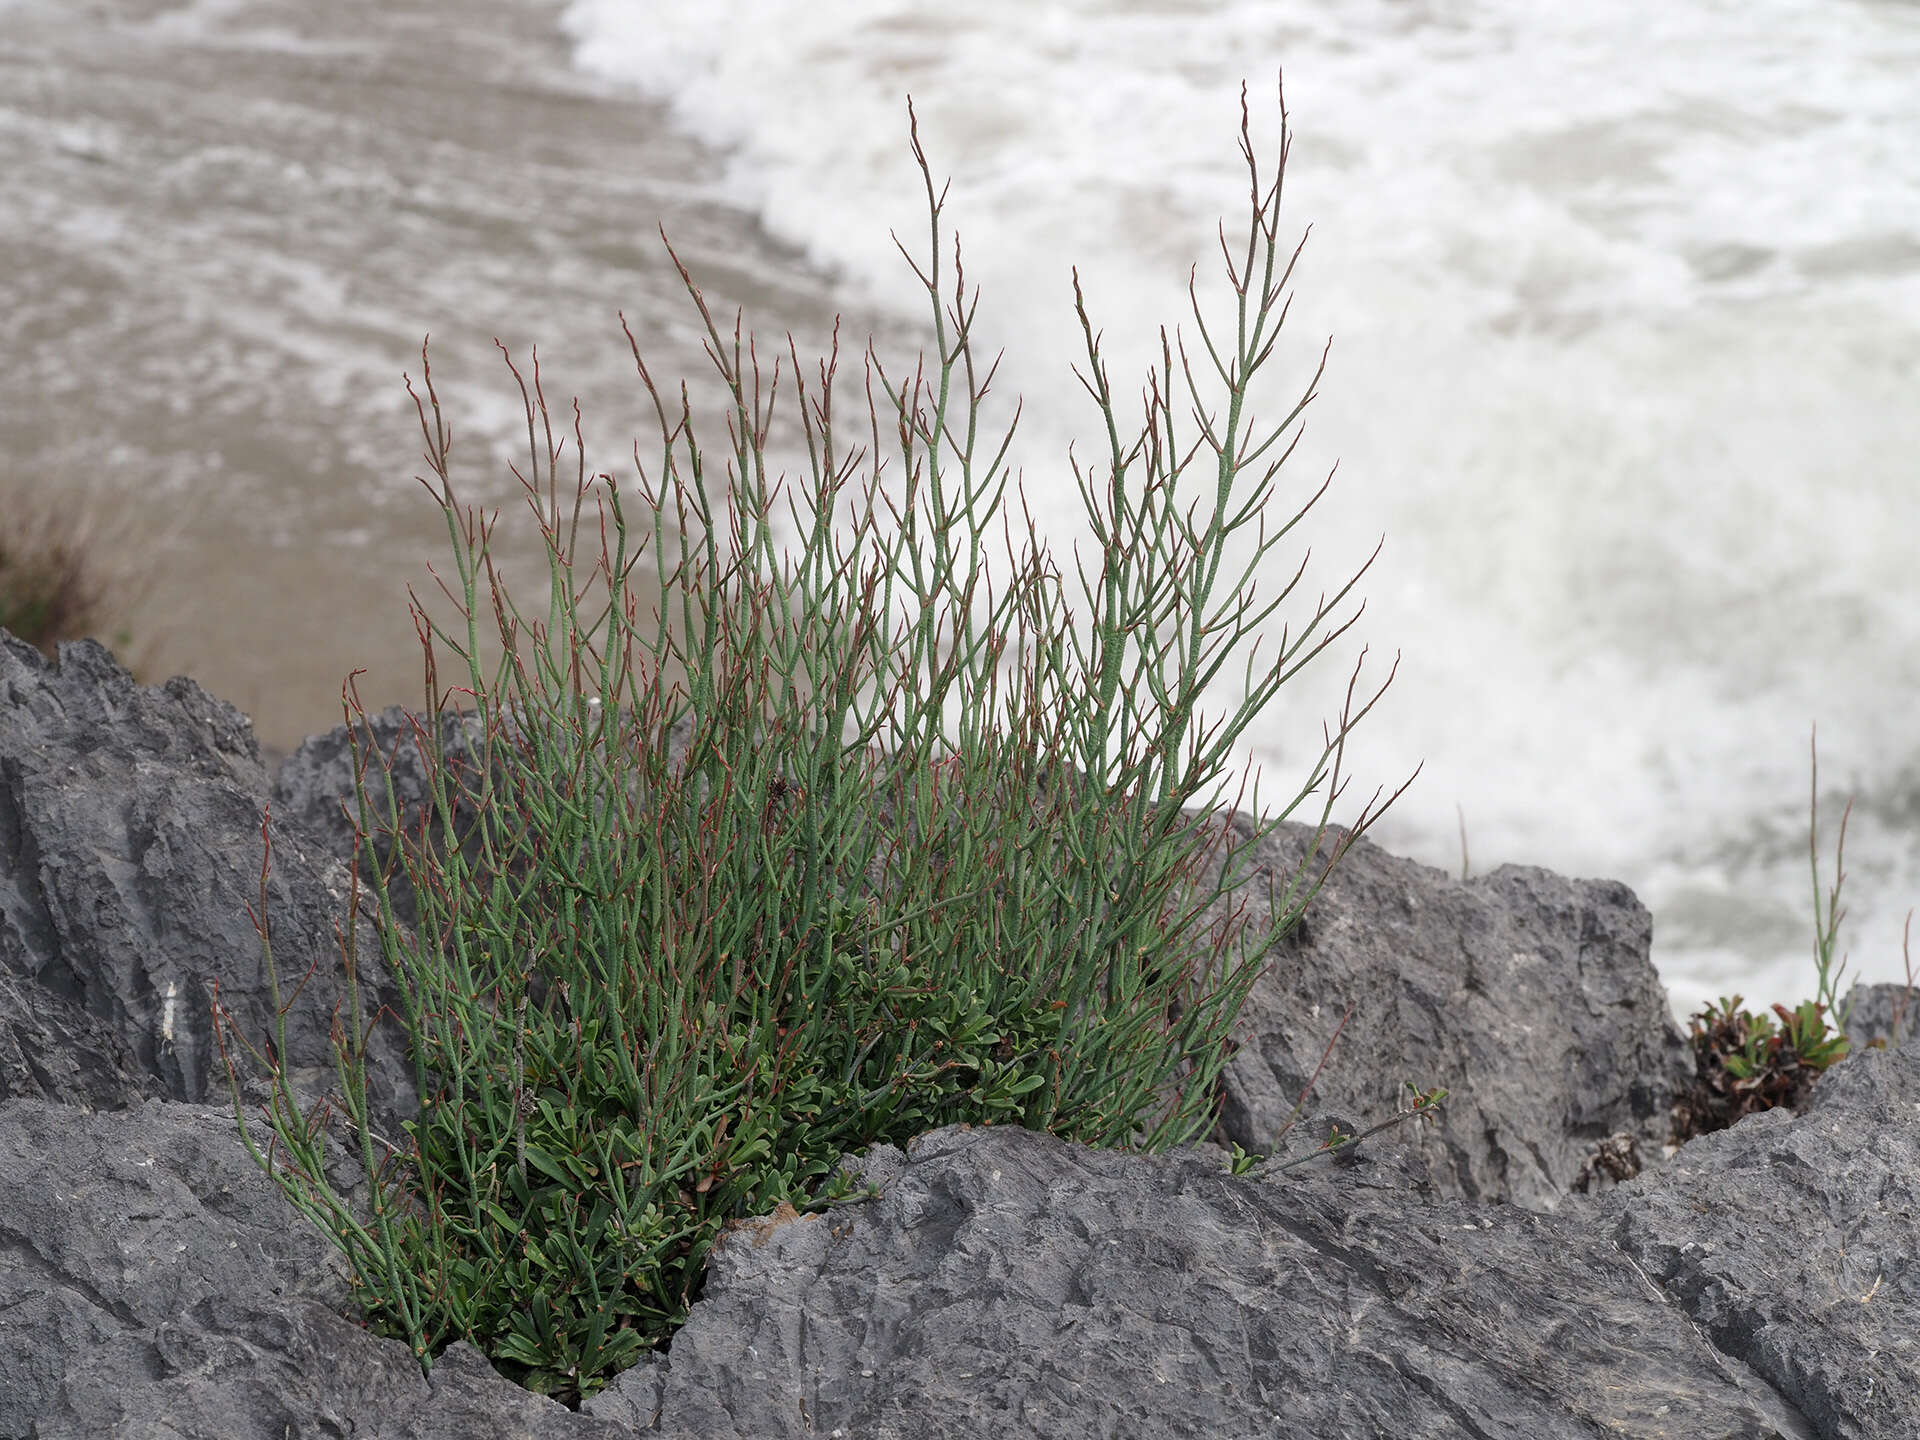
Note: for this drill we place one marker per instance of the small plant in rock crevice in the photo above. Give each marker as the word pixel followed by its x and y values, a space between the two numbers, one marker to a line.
pixel 829 848
pixel 1745 1062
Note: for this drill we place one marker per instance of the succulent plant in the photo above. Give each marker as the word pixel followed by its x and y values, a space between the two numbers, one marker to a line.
pixel 1745 1063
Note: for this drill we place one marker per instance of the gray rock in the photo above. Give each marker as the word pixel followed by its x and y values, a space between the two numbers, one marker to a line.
pixel 130 853
pixel 1872 1012
pixel 1013 1284
pixel 51 1049
pixel 1530 997
pixel 154 1283
pixel 1499 1270
pixel 1790 1242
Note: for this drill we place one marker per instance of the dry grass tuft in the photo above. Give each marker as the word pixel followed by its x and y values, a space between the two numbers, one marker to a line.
pixel 66 573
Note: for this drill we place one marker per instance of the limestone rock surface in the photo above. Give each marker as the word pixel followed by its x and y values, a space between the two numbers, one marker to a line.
pixel 1530 1264
pixel 1528 995
pixel 131 850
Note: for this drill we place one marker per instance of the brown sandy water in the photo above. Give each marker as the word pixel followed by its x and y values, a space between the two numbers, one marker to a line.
pixel 225 229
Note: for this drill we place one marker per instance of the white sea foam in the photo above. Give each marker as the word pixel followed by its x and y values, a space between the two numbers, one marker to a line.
pixel 1626 307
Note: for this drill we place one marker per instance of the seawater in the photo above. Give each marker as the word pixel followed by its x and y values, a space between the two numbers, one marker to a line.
pixel 1624 302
